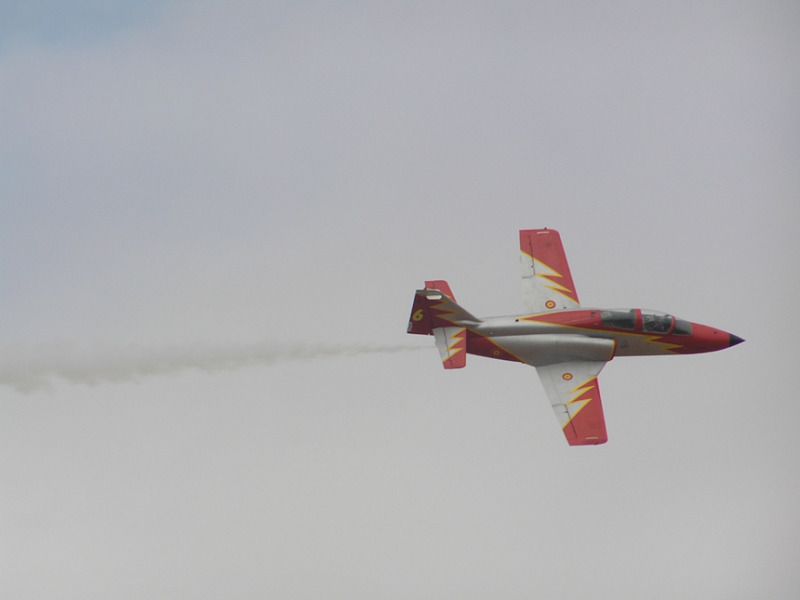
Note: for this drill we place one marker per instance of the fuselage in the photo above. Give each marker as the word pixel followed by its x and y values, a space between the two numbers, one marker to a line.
pixel 618 332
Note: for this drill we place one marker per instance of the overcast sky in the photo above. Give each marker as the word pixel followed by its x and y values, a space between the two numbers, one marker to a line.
pixel 214 216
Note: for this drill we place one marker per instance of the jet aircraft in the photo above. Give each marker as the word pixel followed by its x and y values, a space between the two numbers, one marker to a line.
pixel 568 344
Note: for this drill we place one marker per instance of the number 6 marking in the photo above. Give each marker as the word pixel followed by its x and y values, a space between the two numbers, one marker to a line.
pixel 418 315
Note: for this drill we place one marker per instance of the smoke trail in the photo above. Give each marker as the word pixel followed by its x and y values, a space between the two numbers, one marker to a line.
pixel 41 368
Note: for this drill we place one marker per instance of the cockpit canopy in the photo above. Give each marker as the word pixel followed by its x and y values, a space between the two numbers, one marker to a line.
pixel 648 321
pixel 656 322
pixel 619 319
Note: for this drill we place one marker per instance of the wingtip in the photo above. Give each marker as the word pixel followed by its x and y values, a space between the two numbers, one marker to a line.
pixel 592 441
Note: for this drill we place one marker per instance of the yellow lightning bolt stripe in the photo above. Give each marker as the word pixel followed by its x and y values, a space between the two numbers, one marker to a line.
pixel 560 293
pixel 555 285
pixel 580 391
pixel 584 387
pixel 549 276
pixel 444 311
pixel 456 339
pixel 666 346
pixel 449 311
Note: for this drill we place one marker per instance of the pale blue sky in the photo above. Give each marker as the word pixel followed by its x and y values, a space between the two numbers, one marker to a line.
pixel 77 22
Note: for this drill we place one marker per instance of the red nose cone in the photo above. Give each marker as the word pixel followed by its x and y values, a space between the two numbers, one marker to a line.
pixel 709 339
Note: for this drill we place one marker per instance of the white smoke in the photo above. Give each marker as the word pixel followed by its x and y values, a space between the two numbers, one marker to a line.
pixel 37 369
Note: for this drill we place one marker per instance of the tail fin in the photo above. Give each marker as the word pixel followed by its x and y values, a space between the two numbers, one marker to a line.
pixel 436 312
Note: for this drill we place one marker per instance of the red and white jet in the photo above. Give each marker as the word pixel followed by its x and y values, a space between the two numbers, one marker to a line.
pixel 569 345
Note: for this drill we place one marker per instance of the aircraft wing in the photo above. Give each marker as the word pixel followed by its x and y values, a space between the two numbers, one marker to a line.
pixel 546 280
pixel 574 393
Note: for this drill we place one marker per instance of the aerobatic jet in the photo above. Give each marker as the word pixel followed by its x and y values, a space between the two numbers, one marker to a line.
pixel 568 344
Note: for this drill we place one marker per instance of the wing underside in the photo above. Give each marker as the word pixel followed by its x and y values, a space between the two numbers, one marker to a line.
pixel 574 394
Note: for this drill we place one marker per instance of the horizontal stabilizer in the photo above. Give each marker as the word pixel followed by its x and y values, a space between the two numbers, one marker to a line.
pixel 451 342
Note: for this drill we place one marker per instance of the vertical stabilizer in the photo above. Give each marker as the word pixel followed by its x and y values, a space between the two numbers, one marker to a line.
pixel 435 312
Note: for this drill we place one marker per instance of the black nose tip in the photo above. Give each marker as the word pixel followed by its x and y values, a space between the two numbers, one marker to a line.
pixel 735 339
